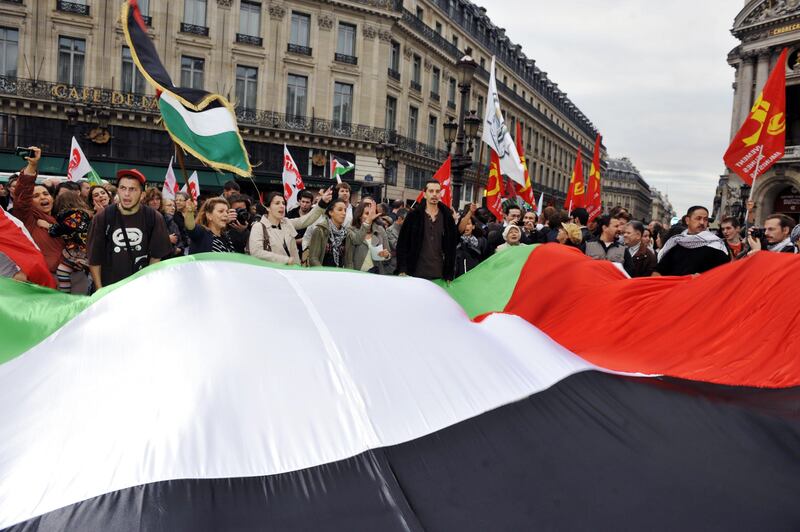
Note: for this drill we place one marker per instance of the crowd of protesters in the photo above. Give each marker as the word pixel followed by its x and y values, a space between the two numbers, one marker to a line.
pixel 93 236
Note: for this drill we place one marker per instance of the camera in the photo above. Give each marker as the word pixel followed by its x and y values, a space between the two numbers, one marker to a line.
pixel 242 216
pixel 758 233
pixel 23 152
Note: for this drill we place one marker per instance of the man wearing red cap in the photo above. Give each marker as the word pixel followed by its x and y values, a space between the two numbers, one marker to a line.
pixel 125 238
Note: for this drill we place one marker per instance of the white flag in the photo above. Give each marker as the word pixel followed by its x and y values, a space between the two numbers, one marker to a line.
pixel 170 183
pixel 194 186
pixel 540 205
pixel 496 135
pixel 78 163
pixel 292 182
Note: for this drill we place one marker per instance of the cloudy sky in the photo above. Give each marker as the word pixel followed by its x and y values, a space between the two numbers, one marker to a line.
pixel 651 75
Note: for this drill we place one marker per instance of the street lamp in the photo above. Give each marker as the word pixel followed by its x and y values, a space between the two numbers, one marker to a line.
pixel 463 133
pixel 384 152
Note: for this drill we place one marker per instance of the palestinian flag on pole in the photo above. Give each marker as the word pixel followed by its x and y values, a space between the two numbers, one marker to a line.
pixel 505 415
pixel 339 167
pixel 202 123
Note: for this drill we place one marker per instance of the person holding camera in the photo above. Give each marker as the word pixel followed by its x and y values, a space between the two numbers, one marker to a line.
pixel 239 227
pixel 774 236
pixel 209 232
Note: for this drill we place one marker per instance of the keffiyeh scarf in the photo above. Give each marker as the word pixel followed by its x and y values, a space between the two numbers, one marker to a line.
pixel 336 238
pixel 685 240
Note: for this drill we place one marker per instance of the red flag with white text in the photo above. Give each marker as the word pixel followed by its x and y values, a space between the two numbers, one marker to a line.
pixel 761 141
pixel 443 176
pixel 292 181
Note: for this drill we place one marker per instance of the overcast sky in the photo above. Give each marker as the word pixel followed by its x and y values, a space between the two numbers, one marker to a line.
pixel 651 75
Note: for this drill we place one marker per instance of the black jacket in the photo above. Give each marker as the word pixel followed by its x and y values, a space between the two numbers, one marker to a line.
pixel 410 241
pixel 468 257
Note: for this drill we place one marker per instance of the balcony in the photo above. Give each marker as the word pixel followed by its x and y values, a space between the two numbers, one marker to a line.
pixel 434 96
pixel 790 155
pixel 298 49
pixel 72 7
pixel 394 74
pixel 252 40
pixel 451 104
pixel 415 86
pixel 193 29
pixel 148 20
pixel 13 2
pixel 344 58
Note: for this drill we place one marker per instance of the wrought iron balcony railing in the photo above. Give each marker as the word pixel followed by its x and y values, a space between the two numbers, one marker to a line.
pixel 434 96
pixel 72 7
pixel 298 49
pixel 344 58
pixel 416 86
pixel 451 104
pixel 118 101
pixel 148 20
pixel 241 38
pixel 394 74
pixel 13 2
pixel 194 29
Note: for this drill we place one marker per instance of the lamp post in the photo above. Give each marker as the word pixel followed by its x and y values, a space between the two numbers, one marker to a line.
pixel 464 133
pixel 384 152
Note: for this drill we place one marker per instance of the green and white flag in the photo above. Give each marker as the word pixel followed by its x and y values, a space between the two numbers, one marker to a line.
pixel 339 167
pixel 79 166
pixel 211 135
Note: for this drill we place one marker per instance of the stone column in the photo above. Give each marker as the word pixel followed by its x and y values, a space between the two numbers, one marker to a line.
pixel 737 99
pixel 745 88
pixel 762 71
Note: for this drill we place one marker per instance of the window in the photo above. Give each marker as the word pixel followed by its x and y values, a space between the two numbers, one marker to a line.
pixel 194 12
pixel 8 131
pixel 394 57
pixel 455 41
pixel 416 177
pixel 250 19
pixel 451 93
pixel 480 107
pixel 439 28
pixel 246 87
pixel 416 73
pixel 144 7
pixel 132 80
pixel 192 69
pixel 296 92
pixel 432 123
pixel 420 13
pixel 436 77
pixel 342 104
pixel 301 27
pixel 71 57
pixel 413 118
pixel 9 46
pixel 483 63
pixel 391 113
pixel 346 42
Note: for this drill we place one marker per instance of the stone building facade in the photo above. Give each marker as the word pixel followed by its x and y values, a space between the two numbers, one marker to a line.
pixel 624 186
pixel 661 209
pixel 764 28
pixel 325 77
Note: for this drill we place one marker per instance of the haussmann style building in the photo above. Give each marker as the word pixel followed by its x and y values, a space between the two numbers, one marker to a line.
pixel 764 28
pixel 324 77
pixel 624 186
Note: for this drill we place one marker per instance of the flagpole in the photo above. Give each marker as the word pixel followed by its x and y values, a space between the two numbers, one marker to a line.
pixel 181 163
pixel 753 188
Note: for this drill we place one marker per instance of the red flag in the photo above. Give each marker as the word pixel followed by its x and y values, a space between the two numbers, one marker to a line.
pixel 442 175
pixel 494 187
pixel 576 195
pixel 594 194
pixel 761 141
pixel 524 192
pixel 20 248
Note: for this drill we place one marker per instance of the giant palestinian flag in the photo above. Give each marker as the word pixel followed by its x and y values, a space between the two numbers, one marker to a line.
pixel 202 123
pixel 541 391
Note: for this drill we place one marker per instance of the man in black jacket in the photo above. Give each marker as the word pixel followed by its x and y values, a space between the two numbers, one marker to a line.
pixel 427 244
